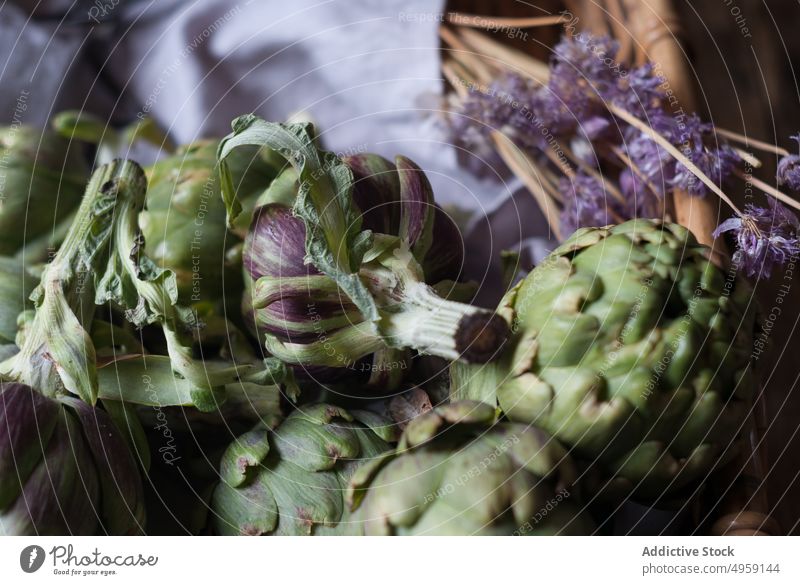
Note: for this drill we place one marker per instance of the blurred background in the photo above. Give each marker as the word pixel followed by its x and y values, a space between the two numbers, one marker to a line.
pixel 368 73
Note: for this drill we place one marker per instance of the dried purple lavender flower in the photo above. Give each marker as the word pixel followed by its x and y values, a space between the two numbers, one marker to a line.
pixel 698 142
pixel 789 169
pixel 765 236
pixel 640 92
pixel 695 139
pixel 644 198
pixel 587 203
pixel 507 106
pixel 584 74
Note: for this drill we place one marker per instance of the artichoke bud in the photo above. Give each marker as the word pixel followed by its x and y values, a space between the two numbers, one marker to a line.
pixel 624 352
pixel 456 471
pixel 64 468
pixel 292 480
pixel 184 224
pixel 310 321
pixel 42 178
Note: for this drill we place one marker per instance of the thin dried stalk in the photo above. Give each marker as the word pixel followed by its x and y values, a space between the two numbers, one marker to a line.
pixel 493 22
pixel 525 168
pixel 465 55
pixel 621 31
pixel 455 75
pixel 748 158
pixel 509 58
pixel 551 184
pixel 747 141
pixel 768 189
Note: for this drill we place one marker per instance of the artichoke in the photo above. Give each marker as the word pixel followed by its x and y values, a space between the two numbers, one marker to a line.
pixel 632 348
pixel 337 256
pixel 42 177
pixel 64 468
pixel 457 472
pixel 292 480
pixel 184 223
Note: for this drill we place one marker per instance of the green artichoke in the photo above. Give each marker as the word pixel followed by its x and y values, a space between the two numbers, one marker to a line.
pixel 42 178
pixel 184 223
pixel 457 472
pixel 632 348
pixel 64 468
pixel 292 480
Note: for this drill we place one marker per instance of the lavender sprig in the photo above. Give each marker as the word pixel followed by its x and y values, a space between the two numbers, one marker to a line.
pixel 766 237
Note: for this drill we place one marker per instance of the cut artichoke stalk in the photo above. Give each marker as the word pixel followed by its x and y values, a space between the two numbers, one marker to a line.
pixel 632 348
pixel 456 471
pixel 292 480
pixel 327 293
pixel 42 181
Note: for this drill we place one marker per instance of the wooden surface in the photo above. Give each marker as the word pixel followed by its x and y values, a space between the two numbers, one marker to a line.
pixel 743 83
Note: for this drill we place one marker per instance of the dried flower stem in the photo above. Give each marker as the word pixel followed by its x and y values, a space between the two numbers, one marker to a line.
pixel 748 158
pixel 492 22
pixel 551 184
pixel 465 55
pixel 525 168
pixel 741 139
pixel 509 58
pixel 768 189
pixel 454 73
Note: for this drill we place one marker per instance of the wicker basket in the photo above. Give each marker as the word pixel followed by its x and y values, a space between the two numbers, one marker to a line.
pixel 648 30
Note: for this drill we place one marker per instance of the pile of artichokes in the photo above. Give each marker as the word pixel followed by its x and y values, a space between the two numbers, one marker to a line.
pixel 256 336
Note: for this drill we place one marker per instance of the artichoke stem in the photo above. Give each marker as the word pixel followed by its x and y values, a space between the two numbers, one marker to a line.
pixel 427 322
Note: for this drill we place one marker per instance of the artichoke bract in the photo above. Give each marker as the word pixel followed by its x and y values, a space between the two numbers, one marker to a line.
pixel 184 223
pixel 458 472
pixel 42 178
pixel 64 468
pixel 292 480
pixel 337 256
pixel 632 348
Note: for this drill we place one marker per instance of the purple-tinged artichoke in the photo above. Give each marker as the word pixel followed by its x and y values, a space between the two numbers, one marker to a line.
pixel 64 468
pixel 337 253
